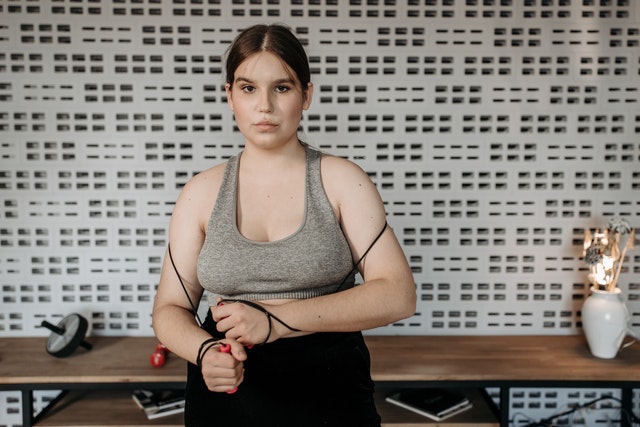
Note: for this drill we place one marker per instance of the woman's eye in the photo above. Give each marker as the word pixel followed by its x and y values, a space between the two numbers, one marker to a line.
pixel 248 89
pixel 281 89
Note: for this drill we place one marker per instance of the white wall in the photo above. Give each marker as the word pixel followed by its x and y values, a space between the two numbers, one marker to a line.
pixel 496 132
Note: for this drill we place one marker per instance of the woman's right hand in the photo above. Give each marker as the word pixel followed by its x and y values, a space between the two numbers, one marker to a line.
pixel 223 372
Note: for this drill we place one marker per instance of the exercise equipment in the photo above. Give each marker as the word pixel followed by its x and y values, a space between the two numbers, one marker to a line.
pixel 67 335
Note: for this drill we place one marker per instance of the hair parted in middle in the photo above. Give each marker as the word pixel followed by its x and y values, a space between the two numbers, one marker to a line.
pixel 276 39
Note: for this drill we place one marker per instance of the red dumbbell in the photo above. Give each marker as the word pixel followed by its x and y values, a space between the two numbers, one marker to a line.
pixel 159 357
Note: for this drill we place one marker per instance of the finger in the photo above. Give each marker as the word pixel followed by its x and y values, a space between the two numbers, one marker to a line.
pixel 226 380
pixel 220 364
pixel 223 326
pixel 237 350
pixel 219 312
pixel 226 348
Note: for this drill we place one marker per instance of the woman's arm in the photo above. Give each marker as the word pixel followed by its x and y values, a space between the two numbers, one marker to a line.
pixel 388 293
pixel 173 316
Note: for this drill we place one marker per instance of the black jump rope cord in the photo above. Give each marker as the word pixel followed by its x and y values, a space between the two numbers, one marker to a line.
pixel 184 288
pixel 258 306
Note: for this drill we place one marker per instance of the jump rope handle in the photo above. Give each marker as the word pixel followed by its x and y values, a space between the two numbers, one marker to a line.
pixel 226 348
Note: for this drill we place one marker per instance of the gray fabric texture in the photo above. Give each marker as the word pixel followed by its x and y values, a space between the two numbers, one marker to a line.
pixel 313 261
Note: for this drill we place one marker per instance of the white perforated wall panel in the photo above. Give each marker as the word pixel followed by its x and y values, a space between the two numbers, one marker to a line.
pixel 496 131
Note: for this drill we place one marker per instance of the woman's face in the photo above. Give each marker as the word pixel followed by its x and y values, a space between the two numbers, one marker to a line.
pixel 267 100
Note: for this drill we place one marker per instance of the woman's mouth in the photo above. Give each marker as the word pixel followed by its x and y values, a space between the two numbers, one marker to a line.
pixel 265 125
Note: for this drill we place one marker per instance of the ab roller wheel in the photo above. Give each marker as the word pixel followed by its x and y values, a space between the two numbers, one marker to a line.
pixel 67 335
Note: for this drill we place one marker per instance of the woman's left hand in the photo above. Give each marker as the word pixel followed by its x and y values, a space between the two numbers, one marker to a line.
pixel 241 322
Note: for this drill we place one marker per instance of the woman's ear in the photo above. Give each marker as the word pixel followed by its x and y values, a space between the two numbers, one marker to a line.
pixel 308 96
pixel 227 89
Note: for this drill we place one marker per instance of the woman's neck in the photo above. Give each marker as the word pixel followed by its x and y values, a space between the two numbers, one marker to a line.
pixel 275 158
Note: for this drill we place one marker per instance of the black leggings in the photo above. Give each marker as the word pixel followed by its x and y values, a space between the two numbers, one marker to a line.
pixel 322 379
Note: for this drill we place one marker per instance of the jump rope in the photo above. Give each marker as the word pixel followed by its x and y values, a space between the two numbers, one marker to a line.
pixel 226 348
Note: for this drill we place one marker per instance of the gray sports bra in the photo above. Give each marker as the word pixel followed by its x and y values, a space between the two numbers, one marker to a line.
pixel 313 261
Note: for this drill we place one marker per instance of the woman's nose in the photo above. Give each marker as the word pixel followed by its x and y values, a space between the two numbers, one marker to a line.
pixel 265 105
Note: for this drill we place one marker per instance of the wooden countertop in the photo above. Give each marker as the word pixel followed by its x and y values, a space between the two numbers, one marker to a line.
pixel 394 358
pixel 112 360
pixel 497 358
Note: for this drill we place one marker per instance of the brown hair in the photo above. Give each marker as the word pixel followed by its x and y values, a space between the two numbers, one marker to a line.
pixel 276 39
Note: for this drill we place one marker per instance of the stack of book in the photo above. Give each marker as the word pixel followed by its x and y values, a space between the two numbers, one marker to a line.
pixel 159 403
pixel 435 403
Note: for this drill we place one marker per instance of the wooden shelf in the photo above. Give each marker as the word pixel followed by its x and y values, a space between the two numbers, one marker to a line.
pixel 481 359
pixel 101 380
pixel 109 408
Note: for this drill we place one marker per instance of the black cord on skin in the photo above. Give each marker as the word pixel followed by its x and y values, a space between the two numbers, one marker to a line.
pixel 249 303
pixel 266 312
pixel 355 266
pixel 258 306
pixel 202 350
pixel 184 288
pixel 272 316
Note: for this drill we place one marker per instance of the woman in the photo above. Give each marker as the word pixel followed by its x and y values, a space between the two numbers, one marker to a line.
pixel 273 235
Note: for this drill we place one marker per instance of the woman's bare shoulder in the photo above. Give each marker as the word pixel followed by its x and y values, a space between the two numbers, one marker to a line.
pixel 351 191
pixel 206 181
pixel 199 194
pixel 341 174
pixel 339 166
